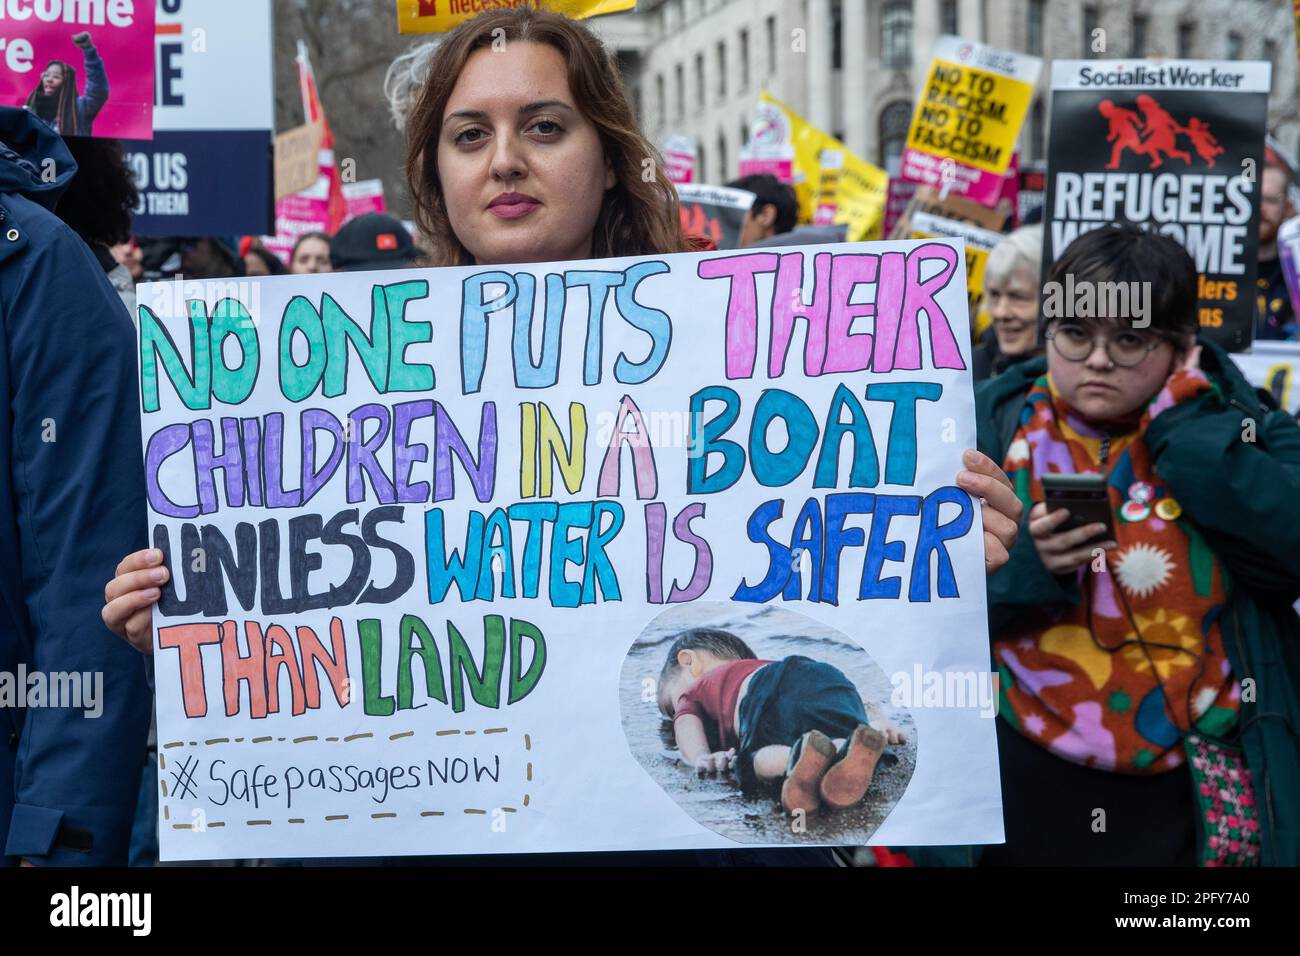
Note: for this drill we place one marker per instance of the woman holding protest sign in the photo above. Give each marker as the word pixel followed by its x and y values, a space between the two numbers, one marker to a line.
pixel 523 148
pixel 1148 653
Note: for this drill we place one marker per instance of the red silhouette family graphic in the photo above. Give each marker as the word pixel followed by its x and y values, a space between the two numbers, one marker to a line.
pixel 1150 131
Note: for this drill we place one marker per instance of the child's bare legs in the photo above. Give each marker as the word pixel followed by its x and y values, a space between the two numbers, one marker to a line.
pixel 770 761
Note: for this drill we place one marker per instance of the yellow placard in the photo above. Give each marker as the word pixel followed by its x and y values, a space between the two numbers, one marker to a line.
pixel 440 16
pixel 979 243
pixel 861 188
pixel 970 116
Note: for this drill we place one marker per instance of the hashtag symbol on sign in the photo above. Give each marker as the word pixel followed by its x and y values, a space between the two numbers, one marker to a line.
pixel 185 777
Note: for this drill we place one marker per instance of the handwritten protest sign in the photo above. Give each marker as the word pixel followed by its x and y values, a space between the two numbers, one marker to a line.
pixel 1175 145
pixel 978 242
pixel 968 117
pixel 439 16
pixel 433 533
pixel 297 158
pixel 84 66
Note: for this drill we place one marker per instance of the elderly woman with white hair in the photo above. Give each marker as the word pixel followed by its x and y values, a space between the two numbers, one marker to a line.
pixel 1011 293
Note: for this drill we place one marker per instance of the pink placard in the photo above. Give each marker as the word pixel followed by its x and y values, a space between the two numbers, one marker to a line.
pixel 782 169
pixel 965 181
pixel 103 87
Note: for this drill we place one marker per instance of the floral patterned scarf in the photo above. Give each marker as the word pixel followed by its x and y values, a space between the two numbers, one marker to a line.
pixel 1116 682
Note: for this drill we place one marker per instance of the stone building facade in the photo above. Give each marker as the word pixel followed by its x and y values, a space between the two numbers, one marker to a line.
pixel 853 67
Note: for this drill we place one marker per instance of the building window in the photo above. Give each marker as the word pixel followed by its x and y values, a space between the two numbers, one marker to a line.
pixel 1091 23
pixel 723 174
pixel 948 22
pixel 1034 40
pixel 699 80
pixel 703 168
pixel 744 131
pixel 771 46
pixel 1037 133
pixel 894 122
pixel 744 59
pixel 837 35
pixel 1186 40
pixel 1234 46
pixel 722 70
pixel 661 100
pixel 896 36
pixel 680 73
pixel 1138 40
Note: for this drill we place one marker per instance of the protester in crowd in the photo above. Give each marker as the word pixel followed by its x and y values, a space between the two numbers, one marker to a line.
pixel 373 241
pixel 98 206
pixel 804 236
pixel 71 496
pixel 193 257
pixel 1274 317
pixel 1011 278
pixel 311 254
pixel 529 152
pixel 1123 651
pixel 774 211
pixel 128 254
pixel 55 98
pixel 259 260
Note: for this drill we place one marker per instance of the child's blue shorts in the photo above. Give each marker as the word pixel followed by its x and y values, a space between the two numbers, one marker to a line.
pixel 790 697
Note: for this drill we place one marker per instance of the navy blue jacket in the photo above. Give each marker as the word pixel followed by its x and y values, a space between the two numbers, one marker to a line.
pixel 71 505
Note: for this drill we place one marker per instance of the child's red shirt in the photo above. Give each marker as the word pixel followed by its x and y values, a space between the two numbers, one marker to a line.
pixel 713 699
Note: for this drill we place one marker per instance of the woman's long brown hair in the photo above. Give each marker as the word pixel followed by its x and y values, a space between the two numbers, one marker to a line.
pixel 639 216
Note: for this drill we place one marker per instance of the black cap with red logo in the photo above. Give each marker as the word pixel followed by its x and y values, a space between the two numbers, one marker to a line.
pixel 372 241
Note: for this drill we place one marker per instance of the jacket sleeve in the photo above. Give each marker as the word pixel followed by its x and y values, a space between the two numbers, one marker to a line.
pixel 78 496
pixel 96 95
pixel 1236 473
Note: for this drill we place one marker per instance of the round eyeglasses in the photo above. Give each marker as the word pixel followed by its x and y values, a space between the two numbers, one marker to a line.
pixel 1124 348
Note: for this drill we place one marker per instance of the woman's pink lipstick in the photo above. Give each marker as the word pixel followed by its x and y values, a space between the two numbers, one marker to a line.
pixel 512 205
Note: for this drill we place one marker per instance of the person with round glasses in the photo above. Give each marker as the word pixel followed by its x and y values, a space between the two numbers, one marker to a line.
pixel 1148 667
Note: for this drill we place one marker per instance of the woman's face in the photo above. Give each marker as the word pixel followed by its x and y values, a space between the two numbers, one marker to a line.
pixel 52 79
pixel 1102 391
pixel 129 255
pixel 255 266
pixel 311 256
pixel 523 171
pixel 1012 303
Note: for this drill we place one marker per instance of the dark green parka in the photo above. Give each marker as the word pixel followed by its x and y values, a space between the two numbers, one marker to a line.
pixel 1233 463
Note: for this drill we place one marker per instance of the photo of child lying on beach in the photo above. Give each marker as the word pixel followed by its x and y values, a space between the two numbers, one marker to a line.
pixel 788 725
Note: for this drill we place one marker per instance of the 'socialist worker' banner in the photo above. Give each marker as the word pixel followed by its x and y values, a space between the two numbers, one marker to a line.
pixel 967 118
pixel 715 212
pixel 456 552
pixel 83 66
pixel 1175 145
pixel 440 16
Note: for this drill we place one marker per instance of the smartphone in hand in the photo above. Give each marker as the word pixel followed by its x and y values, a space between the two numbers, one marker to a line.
pixel 1086 498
